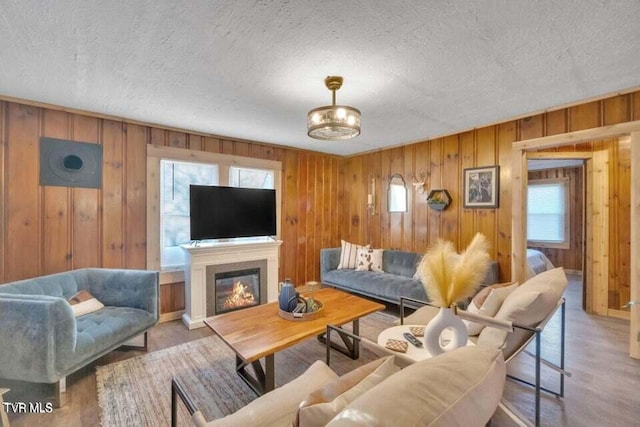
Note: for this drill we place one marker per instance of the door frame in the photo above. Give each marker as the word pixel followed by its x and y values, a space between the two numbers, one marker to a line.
pixel 595 275
pixel 518 232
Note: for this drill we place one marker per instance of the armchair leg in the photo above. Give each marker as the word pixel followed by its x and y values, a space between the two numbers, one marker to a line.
pixel 538 342
pixel 562 346
pixel 60 398
pixel 143 347
pixel 174 404
pixel 177 390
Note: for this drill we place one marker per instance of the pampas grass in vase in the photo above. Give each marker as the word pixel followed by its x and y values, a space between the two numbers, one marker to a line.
pixel 448 278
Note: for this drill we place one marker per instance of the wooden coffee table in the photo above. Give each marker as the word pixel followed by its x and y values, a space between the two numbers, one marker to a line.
pixel 259 332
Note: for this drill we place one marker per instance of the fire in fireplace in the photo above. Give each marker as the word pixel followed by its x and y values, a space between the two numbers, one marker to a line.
pixel 237 289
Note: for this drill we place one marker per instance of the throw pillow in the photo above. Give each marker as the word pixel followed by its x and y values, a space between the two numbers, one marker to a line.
pixel 348 255
pixel 528 305
pixel 279 406
pixel 84 303
pixel 487 302
pixel 368 259
pixel 321 405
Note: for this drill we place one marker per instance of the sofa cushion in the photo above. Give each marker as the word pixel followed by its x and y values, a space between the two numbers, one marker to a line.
pixel 459 388
pixel 279 406
pixel 321 405
pixel 400 262
pixel 380 285
pixel 62 285
pixel 103 329
pixel 528 305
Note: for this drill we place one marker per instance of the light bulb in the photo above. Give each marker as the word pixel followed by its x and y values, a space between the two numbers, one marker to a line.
pixel 341 113
pixel 351 120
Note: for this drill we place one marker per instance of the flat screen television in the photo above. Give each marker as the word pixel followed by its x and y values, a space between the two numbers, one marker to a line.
pixel 226 212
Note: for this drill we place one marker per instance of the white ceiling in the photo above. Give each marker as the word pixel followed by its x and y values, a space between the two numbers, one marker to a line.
pixel 252 69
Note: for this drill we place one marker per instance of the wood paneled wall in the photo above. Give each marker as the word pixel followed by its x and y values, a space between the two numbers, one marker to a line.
pixel 570 259
pixel 52 229
pixel 49 229
pixel 442 161
pixel 45 230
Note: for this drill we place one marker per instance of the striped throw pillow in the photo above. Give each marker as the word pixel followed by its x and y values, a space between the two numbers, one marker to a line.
pixel 349 254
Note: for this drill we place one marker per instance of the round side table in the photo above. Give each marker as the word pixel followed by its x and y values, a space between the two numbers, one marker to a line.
pixel 413 352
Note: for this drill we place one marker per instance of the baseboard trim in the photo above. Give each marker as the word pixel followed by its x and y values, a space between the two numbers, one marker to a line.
pixel 168 317
pixel 578 272
pixel 619 314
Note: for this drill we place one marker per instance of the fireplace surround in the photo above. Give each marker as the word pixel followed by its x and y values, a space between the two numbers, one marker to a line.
pixel 205 260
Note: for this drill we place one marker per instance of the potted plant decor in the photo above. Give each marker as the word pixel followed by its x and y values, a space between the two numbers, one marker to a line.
pixel 439 200
pixel 448 278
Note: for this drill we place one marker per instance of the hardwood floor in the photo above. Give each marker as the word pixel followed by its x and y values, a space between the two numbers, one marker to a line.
pixel 603 390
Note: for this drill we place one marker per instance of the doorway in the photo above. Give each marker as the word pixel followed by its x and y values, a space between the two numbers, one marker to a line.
pixel 596 266
pixel 556 218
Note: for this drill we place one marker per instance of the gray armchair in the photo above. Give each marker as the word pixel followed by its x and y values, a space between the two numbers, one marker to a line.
pixel 42 342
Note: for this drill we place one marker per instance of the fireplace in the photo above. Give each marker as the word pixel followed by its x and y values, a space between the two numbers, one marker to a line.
pixel 235 286
pixel 235 290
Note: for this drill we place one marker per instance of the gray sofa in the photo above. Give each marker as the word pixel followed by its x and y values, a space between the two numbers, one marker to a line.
pixel 40 339
pixel 396 281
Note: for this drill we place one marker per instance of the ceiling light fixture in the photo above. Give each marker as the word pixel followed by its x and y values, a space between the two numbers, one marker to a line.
pixel 333 122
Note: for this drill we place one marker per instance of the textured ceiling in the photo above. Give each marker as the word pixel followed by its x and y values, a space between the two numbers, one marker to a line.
pixel 252 69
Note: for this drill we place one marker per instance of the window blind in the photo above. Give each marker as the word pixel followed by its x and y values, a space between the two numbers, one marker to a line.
pixel 546 212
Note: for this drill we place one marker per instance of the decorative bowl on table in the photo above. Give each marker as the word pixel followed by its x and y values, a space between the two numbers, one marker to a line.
pixel 317 308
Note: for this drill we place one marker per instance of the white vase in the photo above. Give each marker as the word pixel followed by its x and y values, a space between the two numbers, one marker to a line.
pixel 443 320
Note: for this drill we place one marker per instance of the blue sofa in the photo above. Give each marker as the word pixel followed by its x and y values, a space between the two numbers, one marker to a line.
pixel 40 339
pixel 396 281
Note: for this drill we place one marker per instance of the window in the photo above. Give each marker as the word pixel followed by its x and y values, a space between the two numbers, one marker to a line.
pixel 175 179
pixel 170 172
pixel 251 178
pixel 548 213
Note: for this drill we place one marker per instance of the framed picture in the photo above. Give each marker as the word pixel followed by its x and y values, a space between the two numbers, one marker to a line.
pixel 481 187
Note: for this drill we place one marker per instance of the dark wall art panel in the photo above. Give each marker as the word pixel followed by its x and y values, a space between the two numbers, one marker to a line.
pixel 70 164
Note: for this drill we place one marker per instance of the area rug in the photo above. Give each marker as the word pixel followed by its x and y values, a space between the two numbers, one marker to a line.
pixel 137 391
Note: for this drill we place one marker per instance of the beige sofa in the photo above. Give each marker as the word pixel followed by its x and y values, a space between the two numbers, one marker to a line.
pixel 460 388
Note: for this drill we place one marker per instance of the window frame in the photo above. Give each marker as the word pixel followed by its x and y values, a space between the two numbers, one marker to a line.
pixel 566 243
pixel 163 215
pixel 250 168
pixel 157 153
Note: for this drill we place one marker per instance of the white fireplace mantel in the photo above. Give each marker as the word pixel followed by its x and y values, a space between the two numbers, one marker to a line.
pixel 219 253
